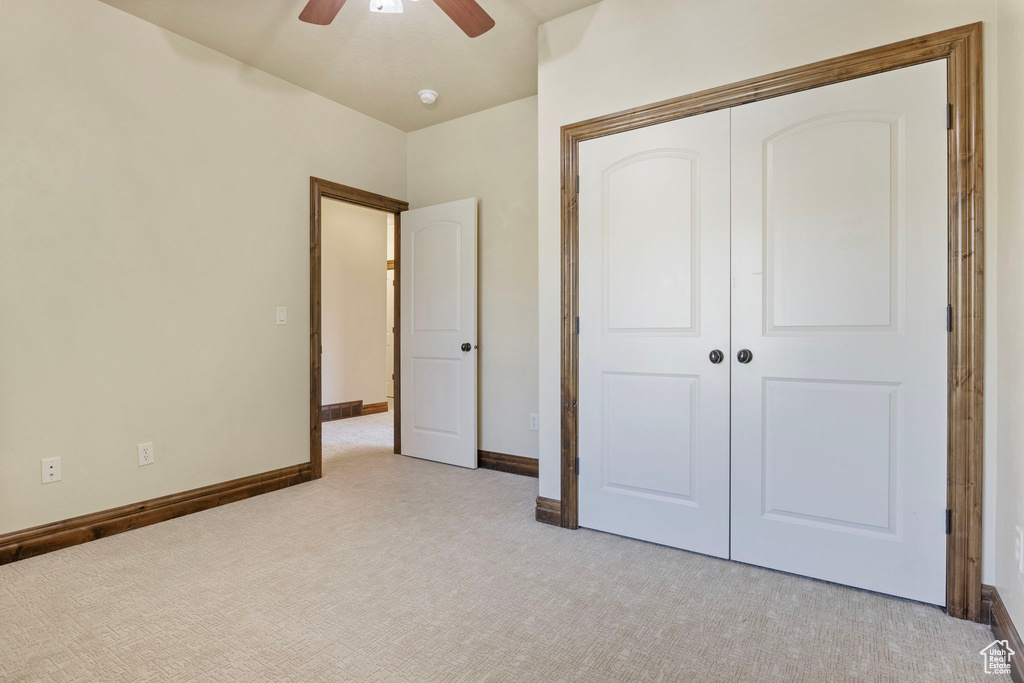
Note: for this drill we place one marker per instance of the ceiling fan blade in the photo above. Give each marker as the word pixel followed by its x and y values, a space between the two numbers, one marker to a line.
pixel 470 17
pixel 321 12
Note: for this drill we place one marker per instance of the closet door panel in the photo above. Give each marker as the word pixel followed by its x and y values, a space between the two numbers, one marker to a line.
pixel 840 293
pixel 654 301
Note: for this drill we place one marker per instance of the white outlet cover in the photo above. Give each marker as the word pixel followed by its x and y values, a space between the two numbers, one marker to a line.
pixel 147 455
pixel 50 470
pixel 534 422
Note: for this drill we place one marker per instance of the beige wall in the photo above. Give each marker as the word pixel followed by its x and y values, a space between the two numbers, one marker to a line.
pixel 353 308
pixel 625 53
pixel 492 156
pixel 1010 467
pixel 154 212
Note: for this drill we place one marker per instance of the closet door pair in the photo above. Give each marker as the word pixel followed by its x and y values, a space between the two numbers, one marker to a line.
pixel 762 340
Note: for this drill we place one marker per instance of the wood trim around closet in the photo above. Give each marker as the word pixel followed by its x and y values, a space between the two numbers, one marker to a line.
pixel 318 189
pixel 962 48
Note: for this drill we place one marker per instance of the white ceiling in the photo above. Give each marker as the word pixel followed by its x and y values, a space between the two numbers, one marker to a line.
pixel 374 63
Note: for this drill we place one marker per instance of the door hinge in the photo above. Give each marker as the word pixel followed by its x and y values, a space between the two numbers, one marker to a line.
pixel 949 318
pixel 949 522
pixel 577 183
pixel 577 466
pixel 577 324
pixel 949 116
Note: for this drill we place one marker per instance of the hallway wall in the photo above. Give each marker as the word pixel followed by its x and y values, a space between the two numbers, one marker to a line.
pixel 353 308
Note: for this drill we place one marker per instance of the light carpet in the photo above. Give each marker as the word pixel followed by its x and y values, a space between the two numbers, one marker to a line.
pixel 396 569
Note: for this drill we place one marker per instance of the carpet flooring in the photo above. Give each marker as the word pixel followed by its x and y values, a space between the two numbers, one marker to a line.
pixel 396 569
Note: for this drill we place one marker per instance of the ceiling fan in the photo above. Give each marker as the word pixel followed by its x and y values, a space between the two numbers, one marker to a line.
pixel 469 16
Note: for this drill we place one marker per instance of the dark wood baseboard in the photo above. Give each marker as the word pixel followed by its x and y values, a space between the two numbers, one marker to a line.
pixel 513 464
pixel 549 511
pixel 373 408
pixel 340 411
pixel 20 545
pixel 986 603
pixel 993 611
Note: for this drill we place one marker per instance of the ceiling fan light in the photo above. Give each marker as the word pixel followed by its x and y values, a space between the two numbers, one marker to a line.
pixel 387 6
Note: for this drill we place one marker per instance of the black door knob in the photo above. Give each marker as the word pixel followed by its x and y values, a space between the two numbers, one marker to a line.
pixel 716 356
pixel 467 347
pixel 744 356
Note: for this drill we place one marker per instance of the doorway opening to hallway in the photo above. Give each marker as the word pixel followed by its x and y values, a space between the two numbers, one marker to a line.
pixel 355 308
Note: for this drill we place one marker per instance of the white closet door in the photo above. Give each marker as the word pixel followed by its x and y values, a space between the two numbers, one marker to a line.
pixel 654 302
pixel 839 257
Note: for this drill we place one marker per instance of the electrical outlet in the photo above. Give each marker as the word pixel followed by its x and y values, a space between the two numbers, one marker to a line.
pixel 534 422
pixel 1018 548
pixel 146 454
pixel 51 470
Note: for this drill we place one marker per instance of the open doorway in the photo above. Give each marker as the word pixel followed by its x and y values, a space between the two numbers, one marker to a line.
pixel 355 289
pixel 355 308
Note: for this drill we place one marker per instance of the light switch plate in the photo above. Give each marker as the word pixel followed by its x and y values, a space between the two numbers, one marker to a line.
pixel 282 315
pixel 51 470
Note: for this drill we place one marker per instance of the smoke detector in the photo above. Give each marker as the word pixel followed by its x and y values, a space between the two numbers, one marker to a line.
pixel 428 96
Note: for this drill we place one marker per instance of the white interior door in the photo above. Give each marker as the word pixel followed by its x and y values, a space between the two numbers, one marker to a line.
pixel 839 259
pixel 439 334
pixel 654 303
pixel 389 336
